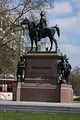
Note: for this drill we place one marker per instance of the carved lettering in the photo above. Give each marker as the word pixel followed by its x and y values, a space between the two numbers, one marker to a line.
pixel 41 67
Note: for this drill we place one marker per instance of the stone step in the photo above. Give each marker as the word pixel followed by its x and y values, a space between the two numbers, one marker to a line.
pixel 40 80
pixel 37 85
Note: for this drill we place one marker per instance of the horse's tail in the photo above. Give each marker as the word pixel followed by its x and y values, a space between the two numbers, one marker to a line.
pixel 57 29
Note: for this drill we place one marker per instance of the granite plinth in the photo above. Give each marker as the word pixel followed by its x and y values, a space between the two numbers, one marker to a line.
pixel 45 92
pixel 41 76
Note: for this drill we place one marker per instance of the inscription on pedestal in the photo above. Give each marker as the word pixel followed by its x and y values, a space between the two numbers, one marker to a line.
pixel 41 66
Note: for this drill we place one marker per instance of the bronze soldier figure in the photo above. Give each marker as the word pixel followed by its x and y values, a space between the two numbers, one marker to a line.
pixel 65 69
pixel 20 69
pixel 42 25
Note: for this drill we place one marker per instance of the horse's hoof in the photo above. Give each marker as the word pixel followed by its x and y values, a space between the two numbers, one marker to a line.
pixel 50 49
pixel 30 50
pixel 35 50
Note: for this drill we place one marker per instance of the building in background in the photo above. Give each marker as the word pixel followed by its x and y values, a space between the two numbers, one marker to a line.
pixel 15 40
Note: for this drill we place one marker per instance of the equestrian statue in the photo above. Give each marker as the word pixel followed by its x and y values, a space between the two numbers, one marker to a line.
pixel 36 32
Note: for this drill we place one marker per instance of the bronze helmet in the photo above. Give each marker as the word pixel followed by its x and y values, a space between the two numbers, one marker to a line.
pixel 42 13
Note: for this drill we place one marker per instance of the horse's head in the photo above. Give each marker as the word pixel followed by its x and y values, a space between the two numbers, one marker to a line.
pixel 25 21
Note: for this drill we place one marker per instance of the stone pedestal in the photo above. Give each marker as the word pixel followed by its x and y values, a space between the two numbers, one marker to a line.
pixel 42 65
pixel 41 76
pixel 66 93
pixel 43 92
pixel 18 94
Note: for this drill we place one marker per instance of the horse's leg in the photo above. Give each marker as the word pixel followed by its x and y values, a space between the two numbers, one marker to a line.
pixel 36 45
pixel 56 46
pixel 51 41
pixel 31 44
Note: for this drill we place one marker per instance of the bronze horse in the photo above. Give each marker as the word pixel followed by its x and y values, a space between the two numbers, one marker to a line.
pixel 47 32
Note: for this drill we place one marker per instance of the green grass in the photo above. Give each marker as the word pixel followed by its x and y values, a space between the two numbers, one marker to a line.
pixel 37 116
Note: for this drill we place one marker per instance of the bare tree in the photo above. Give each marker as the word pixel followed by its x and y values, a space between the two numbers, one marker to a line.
pixel 18 9
pixel 75 80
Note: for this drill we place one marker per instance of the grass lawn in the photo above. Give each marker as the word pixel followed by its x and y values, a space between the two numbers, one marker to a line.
pixel 37 116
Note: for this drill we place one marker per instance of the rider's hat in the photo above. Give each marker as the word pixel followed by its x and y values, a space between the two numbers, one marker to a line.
pixel 42 13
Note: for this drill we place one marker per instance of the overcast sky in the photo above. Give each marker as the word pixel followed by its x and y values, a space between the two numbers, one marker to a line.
pixel 66 14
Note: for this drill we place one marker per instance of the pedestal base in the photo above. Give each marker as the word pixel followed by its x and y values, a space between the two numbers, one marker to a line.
pixel 66 93
pixel 45 93
pixel 41 76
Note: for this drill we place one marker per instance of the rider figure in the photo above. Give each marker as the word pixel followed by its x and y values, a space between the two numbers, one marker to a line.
pixel 43 24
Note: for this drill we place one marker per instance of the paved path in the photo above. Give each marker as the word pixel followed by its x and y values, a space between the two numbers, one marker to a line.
pixel 72 108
